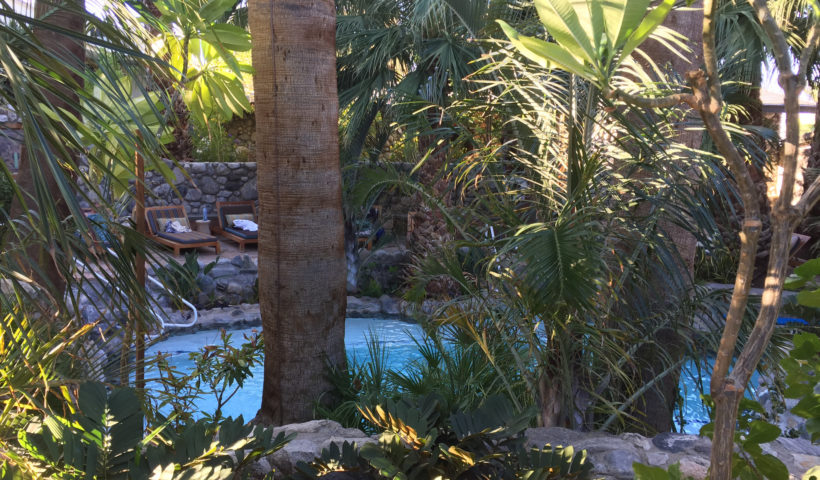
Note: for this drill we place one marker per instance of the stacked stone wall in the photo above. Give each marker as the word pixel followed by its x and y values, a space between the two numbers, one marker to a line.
pixel 204 185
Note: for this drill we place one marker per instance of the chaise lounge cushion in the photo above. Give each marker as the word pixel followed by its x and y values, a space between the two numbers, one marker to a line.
pixel 242 233
pixel 187 237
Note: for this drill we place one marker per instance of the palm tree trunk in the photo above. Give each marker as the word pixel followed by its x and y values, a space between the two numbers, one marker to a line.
pixel 33 165
pixel 655 410
pixel 301 249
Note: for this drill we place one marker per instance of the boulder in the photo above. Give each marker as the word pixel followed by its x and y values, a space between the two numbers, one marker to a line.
pixel 311 438
pixel 363 307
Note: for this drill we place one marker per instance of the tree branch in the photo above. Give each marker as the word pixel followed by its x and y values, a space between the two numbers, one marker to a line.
pixel 659 102
pixel 808 50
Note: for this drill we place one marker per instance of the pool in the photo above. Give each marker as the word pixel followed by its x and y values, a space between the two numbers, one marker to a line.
pixel 396 337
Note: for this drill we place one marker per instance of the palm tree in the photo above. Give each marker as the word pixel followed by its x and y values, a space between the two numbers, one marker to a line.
pixel 301 249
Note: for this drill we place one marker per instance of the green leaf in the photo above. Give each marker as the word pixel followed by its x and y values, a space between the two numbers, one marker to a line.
pixel 548 55
pixel 809 269
pixel 809 298
pixel 622 17
pixel 771 467
pixel 563 24
pixel 214 9
pixel 646 27
pixel 230 37
pixel 806 346
pixel 808 406
pixel 794 282
pixel 646 472
pixel 762 432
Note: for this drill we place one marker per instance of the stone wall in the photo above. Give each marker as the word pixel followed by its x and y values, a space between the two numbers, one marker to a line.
pixel 206 184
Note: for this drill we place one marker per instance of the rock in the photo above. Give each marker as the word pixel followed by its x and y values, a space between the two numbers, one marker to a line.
pixel 223 269
pixel 389 305
pixel 208 185
pixel 248 190
pixel 311 438
pixel 676 442
pixel 691 467
pixel 617 463
pixel 235 288
pixel 193 195
pixel 363 307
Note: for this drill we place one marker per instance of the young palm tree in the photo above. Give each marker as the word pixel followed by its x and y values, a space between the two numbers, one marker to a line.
pixel 302 269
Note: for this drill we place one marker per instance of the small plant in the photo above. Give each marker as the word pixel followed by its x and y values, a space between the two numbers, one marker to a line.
pixel 748 459
pixel 802 368
pixel 182 278
pixel 219 370
pixel 420 440
pixel 214 144
pixel 101 435
pixel 372 289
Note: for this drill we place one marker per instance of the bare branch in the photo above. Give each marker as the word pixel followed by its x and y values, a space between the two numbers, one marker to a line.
pixel 808 50
pixel 780 48
pixel 710 54
pixel 659 102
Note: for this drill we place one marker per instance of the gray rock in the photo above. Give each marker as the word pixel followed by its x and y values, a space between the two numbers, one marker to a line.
pixel 389 305
pixel 196 167
pixel 235 287
pixel 363 307
pixel 617 463
pixel 223 269
pixel 248 190
pixel 221 169
pixel 208 185
pixel 193 195
pixel 675 442
pixel 311 438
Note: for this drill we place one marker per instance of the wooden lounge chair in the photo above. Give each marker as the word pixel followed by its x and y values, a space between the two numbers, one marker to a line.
pixel 227 212
pixel 157 217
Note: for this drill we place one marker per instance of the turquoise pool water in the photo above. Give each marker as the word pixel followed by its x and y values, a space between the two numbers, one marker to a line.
pixel 397 338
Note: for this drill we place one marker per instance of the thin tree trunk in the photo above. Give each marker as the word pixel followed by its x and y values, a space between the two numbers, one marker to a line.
pixel 301 240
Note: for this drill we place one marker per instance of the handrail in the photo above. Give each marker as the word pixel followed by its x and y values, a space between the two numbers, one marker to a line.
pixel 158 315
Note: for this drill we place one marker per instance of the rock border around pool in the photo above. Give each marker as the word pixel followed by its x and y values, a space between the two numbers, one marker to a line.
pixel 611 455
pixel 247 314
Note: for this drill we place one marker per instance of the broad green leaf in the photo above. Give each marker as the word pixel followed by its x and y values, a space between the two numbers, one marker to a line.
pixel 622 17
pixel 806 346
pixel 229 36
pixel 762 432
pixel 794 282
pixel 808 406
pixel 771 467
pixel 647 472
pixel 809 298
pixel 563 25
pixel 646 27
pixel 213 10
pixel 809 269
pixel 547 55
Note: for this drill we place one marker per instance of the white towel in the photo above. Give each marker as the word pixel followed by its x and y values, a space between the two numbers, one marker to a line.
pixel 247 225
pixel 176 227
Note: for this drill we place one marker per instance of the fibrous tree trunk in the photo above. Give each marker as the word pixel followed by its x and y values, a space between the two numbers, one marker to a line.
pixel 301 240
pixel 654 411
pixel 69 53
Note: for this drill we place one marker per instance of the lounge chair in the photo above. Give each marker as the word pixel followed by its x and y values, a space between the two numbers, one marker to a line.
pixel 158 217
pixel 227 212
